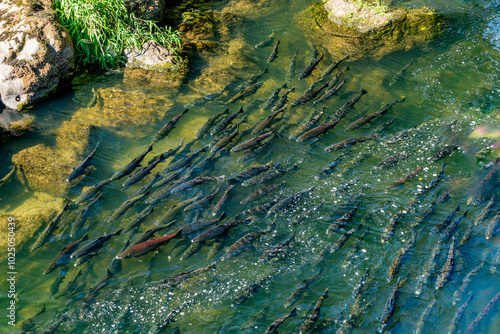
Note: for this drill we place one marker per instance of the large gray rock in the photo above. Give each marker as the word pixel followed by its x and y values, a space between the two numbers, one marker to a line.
pixel 36 52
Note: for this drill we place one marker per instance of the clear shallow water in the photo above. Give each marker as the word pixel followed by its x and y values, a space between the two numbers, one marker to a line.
pixel 454 80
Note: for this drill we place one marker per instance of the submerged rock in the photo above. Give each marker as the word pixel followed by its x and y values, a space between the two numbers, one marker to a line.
pixel 35 212
pixel 13 124
pixel 36 52
pixel 154 57
pixel 359 28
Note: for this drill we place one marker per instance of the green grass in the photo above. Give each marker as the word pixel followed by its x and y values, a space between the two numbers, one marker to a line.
pixel 102 29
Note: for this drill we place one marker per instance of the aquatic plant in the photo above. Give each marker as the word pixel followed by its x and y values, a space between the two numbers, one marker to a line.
pixel 102 29
pixel 377 5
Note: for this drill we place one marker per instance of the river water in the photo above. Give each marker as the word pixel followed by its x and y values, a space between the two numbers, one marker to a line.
pixel 451 91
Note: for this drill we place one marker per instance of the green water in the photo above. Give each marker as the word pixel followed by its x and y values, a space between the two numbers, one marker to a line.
pixel 451 87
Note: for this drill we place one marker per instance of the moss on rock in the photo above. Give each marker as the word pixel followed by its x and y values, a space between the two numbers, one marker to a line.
pixel 365 31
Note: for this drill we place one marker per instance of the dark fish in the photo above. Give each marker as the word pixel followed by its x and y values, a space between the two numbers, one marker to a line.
pixel 49 229
pixel 283 100
pixel 274 97
pixel 7 177
pixel 259 150
pixel 484 312
pixel 274 173
pixel 203 203
pixel 128 168
pixel 219 230
pixel 306 97
pixel 343 221
pixel 386 318
pixel 399 75
pixel 165 155
pixel 445 222
pixel 208 124
pixel 252 79
pixel 390 161
pixel 28 324
pixel 425 315
pixel 267 42
pixel 274 53
pixel 249 173
pixel 89 193
pixel 304 215
pixel 289 201
pixel 176 209
pixel 330 92
pixel 447 269
pixel 168 127
pixel 261 192
pixel 144 171
pixel 428 270
pixel 330 167
pixel 342 112
pixel 274 251
pixel 309 68
pixel 197 180
pixel 273 328
pixel 154 182
pixel 343 238
pixel 391 225
pixel 223 123
pixel 457 295
pixel 348 143
pixel 54 287
pixel 248 291
pixel 162 193
pixel 458 316
pixel 200 224
pixel 407 178
pixel 252 142
pixel 82 217
pixel 245 243
pixel 268 120
pixel 443 153
pixel 301 289
pixel 139 218
pixel 368 118
pixel 184 161
pixel 398 260
pixel 149 233
pixel 62 258
pixel 54 325
pixel 80 169
pixel 434 182
pixel 224 141
pixel 222 201
pixel 146 246
pixel 69 289
pixel 488 186
pixel 313 316
pixel 492 227
pixel 307 125
pixel 261 208
pixel 175 280
pixel 95 245
pixel 450 229
pixel 124 207
pixel 319 130
pixel 314 51
pixel 292 66
pixel 245 92
pixel 332 66
pixel 485 212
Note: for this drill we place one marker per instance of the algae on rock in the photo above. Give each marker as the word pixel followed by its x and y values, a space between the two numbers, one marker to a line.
pixel 344 27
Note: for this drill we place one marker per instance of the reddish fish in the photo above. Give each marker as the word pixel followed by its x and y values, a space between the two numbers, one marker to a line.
pixel 146 247
pixel 63 256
